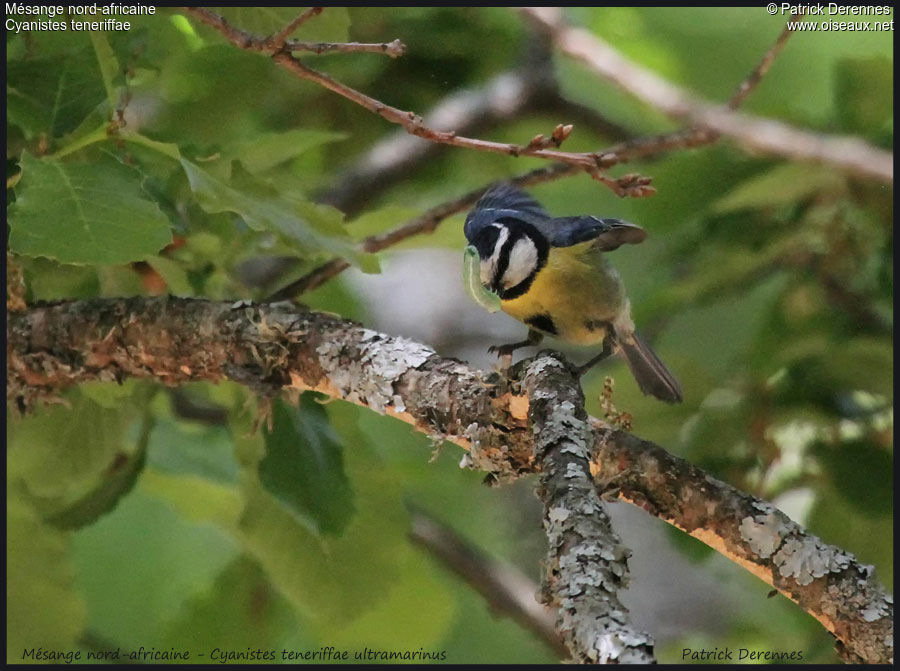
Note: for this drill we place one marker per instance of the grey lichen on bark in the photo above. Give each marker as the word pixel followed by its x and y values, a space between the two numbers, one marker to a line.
pixel 586 563
pixel 270 347
pixel 828 582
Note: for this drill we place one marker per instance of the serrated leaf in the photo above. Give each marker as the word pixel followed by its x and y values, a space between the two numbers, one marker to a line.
pixel 303 467
pixel 336 579
pixel 241 607
pixel 109 66
pixel 63 453
pixel 311 227
pixel 38 573
pixel 783 184
pixel 118 481
pixel 53 95
pixel 139 565
pixel 88 214
pixel 267 150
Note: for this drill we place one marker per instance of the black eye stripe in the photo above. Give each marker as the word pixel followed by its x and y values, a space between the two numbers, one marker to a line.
pixel 517 230
pixel 486 241
pixel 503 258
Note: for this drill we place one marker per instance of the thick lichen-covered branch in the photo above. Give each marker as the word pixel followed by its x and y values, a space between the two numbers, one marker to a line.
pixel 823 579
pixel 586 563
pixel 273 347
pixel 268 348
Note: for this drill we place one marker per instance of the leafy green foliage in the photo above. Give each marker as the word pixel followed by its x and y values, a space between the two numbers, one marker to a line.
pixel 303 467
pixel 310 227
pixel 85 214
pixel 40 570
pixel 61 454
pixel 52 95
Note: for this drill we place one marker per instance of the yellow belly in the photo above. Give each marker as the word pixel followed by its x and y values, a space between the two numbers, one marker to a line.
pixel 577 290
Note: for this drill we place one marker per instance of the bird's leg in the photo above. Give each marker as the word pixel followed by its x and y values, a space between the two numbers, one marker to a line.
pixel 534 338
pixel 608 348
pixel 505 351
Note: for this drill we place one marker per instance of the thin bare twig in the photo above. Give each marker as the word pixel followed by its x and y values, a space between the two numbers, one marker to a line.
pixel 504 587
pixel 409 121
pixel 414 125
pixel 394 49
pixel 754 78
pixel 277 40
pixel 530 87
pixel 759 134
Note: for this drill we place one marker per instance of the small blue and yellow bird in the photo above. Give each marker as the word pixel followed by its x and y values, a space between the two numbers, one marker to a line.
pixel 552 274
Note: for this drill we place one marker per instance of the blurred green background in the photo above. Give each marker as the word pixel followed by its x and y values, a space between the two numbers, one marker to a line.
pixel 142 516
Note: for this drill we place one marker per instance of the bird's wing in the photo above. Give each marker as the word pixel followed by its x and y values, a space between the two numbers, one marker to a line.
pixel 508 197
pixel 607 234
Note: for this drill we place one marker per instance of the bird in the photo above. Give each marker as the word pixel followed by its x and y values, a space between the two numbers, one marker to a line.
pixel 552 273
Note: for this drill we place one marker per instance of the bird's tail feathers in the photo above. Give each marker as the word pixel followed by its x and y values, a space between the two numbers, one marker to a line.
pixel 651 374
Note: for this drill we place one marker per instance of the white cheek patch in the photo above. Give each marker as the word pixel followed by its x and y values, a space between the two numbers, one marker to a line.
pixel 523 259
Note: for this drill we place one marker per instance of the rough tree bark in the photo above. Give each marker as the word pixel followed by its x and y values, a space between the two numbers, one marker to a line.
pixel 271 347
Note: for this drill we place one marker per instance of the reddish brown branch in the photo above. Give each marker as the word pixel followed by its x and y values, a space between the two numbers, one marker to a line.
pixel 409 121
pixel 413 124
pixel 277 40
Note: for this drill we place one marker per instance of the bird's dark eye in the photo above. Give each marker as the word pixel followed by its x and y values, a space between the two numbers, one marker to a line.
pixel 486 240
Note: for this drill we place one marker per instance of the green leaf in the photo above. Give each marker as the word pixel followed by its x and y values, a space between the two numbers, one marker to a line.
pixel 118 481
pixel 472 280
pixel 863 97
pixel 174 273
pixel 88 214
pixel 267 150
pixel 139 565
pixel 335 579
pixel 303 467
pixel 53 95
pixel 782 185
pixel 43 609
pixel 49 280
pixel 189 448
pixel 313 228
pixel 61 454
pixel 862 474
pixel 109 66
pixel 241 607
